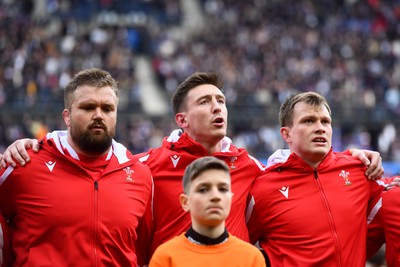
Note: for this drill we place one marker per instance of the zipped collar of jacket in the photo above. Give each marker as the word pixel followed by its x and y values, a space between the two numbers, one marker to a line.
pixel 296 162
pixel 59 139
pixel 175 138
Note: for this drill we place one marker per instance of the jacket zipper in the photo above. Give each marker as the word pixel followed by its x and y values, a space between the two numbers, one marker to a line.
pixel 330 218
pixel 96 225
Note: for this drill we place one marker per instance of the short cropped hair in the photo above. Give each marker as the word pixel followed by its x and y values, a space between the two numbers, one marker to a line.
pixel 92 77
pixel 194 80
pixel 198 166
pixel 309 98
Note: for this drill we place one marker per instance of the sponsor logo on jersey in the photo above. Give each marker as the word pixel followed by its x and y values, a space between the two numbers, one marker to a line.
pixel 285 191
pixel 50 165
pixel 175 159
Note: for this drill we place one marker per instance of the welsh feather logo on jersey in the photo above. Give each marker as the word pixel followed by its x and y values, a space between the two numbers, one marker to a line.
pixel 129 173
pixel 175 159
pixel 345 176
pixel 232 162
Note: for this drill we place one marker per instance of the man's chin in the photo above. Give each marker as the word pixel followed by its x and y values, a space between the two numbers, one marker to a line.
pixel 321 152
pixel 220 133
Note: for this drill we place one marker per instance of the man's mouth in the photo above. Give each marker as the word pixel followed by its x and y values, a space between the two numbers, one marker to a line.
pixel 219 121
pixel 319 140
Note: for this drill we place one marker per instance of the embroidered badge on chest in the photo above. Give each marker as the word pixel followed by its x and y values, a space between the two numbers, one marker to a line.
pixel 232 162
pixel 129 173
pixel 345 175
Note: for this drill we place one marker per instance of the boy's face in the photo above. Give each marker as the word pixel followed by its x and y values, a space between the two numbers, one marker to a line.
pixel 209 198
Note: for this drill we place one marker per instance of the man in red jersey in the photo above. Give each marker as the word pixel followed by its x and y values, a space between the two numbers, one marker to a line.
pixel 79 201
pixel 383 227
pixel 311 209
pixel 201 114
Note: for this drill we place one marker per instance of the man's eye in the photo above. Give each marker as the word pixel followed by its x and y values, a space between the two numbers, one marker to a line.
pixel 202 190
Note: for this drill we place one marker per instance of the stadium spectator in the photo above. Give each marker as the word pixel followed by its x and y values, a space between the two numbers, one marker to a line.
pixel 345 50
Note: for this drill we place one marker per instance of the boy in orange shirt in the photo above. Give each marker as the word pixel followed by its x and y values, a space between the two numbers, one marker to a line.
pixel 208 197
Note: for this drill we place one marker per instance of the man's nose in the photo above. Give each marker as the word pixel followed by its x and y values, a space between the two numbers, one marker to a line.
pixel 320 127
pixel 216 106
pixel 98 113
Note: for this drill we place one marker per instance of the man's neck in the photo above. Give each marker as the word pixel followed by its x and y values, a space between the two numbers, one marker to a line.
pixel 211 149
pixel 210 146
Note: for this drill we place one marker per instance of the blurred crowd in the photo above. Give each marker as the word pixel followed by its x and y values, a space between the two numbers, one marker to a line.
pixel 347 50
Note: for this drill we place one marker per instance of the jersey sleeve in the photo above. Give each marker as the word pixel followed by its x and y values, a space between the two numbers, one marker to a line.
pixel 145 232
pixel 6 253
pixel 375 236
pixel 253 221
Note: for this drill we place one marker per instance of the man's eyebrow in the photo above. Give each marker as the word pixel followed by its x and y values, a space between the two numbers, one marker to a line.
pixel 204 96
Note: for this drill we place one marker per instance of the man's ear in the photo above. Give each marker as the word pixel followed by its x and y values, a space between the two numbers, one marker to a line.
pixel 285 133
pixel 66 117
pixel 184 202
pixel 180 119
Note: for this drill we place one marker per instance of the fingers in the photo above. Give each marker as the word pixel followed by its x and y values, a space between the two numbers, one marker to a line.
pixel 394 183
pixel 364 159
pixel 17 152
pixel 361 155
pixel 7 158
pixel 375 169
pixel 34 145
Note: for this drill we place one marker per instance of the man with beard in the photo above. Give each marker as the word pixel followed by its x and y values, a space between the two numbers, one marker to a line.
pixel 62 207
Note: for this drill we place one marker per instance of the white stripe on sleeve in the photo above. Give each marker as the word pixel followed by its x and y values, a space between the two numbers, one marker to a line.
pixel 1 245
pixel 7 172
pixel 374 211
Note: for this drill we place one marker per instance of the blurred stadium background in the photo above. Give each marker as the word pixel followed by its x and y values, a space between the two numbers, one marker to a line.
pixel 347 50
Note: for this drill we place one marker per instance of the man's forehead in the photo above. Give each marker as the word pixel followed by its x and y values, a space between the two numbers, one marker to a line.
pixel 205 90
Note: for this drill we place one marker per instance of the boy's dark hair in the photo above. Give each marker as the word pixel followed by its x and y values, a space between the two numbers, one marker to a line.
pixel 200 165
